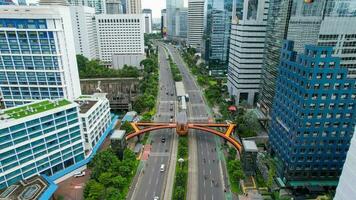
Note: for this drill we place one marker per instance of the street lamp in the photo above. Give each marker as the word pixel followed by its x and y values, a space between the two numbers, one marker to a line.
pixel 181 161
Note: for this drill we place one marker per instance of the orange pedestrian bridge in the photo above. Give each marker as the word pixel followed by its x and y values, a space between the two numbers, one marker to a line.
pixel 182 127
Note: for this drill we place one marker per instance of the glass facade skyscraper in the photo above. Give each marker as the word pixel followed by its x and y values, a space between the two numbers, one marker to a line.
pixel 318 22
pixel 313 115
pixel 171 9
pixel 217 33
pixel 276 32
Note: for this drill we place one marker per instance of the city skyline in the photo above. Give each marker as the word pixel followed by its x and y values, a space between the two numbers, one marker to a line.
pixel 156 7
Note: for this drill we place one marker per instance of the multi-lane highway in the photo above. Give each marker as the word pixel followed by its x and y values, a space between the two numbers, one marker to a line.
pixel 152 182
pixel 207 174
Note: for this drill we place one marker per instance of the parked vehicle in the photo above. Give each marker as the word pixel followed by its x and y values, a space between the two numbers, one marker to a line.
pixel 79 174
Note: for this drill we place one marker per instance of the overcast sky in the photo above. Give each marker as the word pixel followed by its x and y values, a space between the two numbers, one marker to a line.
pixel 155 5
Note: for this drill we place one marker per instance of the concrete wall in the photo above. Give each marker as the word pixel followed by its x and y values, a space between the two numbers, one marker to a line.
pixel 121 92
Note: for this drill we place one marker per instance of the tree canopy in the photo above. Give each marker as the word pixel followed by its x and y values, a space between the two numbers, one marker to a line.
pixel 110 177
pixel 93 69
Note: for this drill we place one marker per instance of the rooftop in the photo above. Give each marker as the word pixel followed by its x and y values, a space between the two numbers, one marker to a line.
pixel 33 108
pixel 180 89
pixel 31 188
pixel 85 105
pixel 249 145
pixel 118 134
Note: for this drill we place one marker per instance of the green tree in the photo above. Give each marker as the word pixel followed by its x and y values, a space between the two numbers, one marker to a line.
pixel 94 190
pixel 105 178
pixel 102 162
pixel 179 193
pixel 81 61
pixel 119 182
pixel 113 193
pixel 127 127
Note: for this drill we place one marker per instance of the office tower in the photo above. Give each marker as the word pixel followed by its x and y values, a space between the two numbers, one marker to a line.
pixel 181 24
pixel 114 7
pixel 39 138
pixel 94 111
pixel 99 5
pixel 313 116
pixel 345 189
pixel 196 23
pixel 318 22
pixel 148 20
pixel 164 23
pixel 276 32
pixel 329 23
pixel 37 53
pixel 217 33
pixel 246 52
pixel 133 6
pixel 22 2
pixel 172 6
pixel 121 39
pixel 84 31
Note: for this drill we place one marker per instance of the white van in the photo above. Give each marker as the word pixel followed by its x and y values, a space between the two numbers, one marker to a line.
pixel 162 168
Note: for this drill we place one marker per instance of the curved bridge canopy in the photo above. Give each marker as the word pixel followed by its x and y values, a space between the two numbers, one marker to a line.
pixel 197 126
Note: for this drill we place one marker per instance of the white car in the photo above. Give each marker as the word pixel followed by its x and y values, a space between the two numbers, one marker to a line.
pixel 156 198
pixel 162 168
pixel 79 174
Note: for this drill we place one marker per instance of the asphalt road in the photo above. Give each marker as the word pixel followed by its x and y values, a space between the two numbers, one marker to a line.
pixel 152 182
pixel 209 181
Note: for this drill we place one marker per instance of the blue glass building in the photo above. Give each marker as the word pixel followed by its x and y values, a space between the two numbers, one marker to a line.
pixel 37 55
pixel 39 138
pixel 313 115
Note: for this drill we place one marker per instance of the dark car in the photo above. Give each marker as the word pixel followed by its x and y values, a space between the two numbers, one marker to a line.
pixel 163 140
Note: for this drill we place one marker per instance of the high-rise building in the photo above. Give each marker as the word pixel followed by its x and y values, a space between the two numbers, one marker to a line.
pixel 38 54
pixel 181 24
pixel 276 32
pixel 328 23
pixel 114 7
pixel 43 137
pixel 217 33
pixel 94 112
pixel 133 6
pixel 148 20
pixel 172 6
pixel 164 22
pixel 313 116
pixel 196 23
pixel 22 2
pixel 345 189
pixel 99 5
pixel 246 52
pixel 121 39
pixel 84 31
pixel 6 2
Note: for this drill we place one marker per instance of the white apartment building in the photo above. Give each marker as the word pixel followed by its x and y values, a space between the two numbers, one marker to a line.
pixel 246 51
pixel 120 35
pixel 84 31
pixel 133 6
pixel 346 189
pixel 37 54
pixel 94 111
pixel 196 23
pixel 42 137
